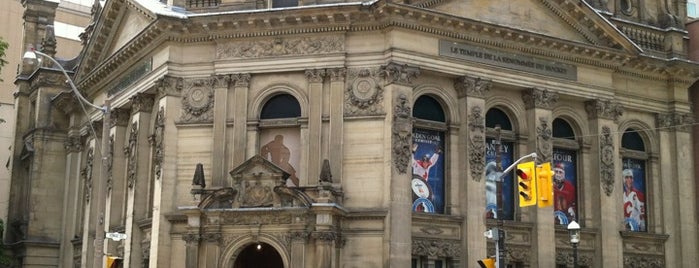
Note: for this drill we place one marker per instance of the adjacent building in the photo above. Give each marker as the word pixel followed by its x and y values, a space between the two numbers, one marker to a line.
pixel 324 133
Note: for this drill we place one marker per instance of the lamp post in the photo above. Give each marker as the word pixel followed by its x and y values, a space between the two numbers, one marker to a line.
pixel 574 231
pixel 99 256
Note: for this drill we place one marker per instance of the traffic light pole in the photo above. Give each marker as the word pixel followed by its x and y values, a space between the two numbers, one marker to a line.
pixel 500 242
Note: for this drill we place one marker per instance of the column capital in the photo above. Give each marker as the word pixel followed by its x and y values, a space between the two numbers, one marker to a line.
pixel 674 121
pixel 337 74
pixel 539 98
pixel 401 74
pixel 142 102
pixel 603 109
pixel 119 117
pixel 241 79
pixel 315 75
pixel 169 86
pixel 472 86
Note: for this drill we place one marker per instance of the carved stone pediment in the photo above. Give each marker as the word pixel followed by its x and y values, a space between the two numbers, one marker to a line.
pixel 259 183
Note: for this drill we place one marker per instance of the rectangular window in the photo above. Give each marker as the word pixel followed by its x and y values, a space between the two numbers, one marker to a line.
pixel 284 3
pixel 692 8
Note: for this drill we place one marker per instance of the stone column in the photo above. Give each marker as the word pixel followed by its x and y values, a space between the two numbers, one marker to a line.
pixel 315 123
pixel 677 194
pixel 241 86
pixel 538 103
pixel 219 146
pixel 164 168
pixel 71 208
pixel 137 151
pixel 400 91
pixel 212 249
pixel 606 193
pixel 335 152
pixel 471 94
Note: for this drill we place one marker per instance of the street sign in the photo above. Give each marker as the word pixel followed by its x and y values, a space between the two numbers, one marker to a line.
pixel 116 236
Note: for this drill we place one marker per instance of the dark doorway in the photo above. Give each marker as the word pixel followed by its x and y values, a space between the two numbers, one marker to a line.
pixel 258 255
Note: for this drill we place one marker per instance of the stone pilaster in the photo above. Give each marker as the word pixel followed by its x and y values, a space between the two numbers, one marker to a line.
pixel 218 160
pixel 192 250
pixel 168 108
pixel 241 86
pixel 299 239
pixel 137 152
pixel 315 123
pixel 400 91
pixel 324 241
pixel 605 189
pixel 335 148
pixel 539 103
pixel 115 184
pixel 471 93
pixel 676 162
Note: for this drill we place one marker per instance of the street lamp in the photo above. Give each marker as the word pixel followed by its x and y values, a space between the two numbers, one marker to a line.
pixel 99 261
pixel 574 231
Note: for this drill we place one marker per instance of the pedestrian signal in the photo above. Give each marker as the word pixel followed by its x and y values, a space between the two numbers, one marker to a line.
pixel 526 183
pixel 544 180
pixel 487 263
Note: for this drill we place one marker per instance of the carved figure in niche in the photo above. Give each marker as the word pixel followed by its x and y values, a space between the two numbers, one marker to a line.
pixel 276 152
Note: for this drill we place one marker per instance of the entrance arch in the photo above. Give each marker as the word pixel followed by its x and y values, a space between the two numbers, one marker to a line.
pixel 260 255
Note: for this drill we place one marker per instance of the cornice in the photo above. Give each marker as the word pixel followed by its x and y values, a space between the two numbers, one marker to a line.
pixel 380 16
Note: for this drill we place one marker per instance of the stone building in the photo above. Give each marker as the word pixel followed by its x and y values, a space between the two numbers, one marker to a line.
pixel 290 133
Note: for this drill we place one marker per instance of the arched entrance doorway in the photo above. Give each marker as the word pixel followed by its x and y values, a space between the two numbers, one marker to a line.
pixel 258 255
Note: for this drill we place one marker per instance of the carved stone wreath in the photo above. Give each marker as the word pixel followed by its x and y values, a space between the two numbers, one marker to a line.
pixel 364 95
pixel 198 101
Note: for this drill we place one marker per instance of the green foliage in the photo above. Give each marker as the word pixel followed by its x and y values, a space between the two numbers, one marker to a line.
pixel 3 47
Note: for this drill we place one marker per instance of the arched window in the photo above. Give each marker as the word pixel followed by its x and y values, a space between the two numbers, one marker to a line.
pixel 634 158
pixel 280 136
pixel 428 161
pixel 495 118
pixel 565 179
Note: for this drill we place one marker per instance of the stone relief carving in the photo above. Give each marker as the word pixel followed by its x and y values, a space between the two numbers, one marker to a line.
pixel 402 134
pixel 635 261
pixel 565 257
pixel 73 144
pixel 337 74
pixel 476 145
pixel 472 86
pixel 119 117
pixel 518 254
pixel 675 121
pixel 324 236
pixel 169 86
pixel 401 74
pixel 156 140
pixel 315 75
pixel 130 152
pixel 543 135
pixel 257 218
pixel 86 173
pixel 256 195
pixel 364 95
pixel 606 143
pixel 241 80
pixel 221 80
pixel 191 238
pixel 110 162
pixel 142 103
pixel 280 47
pixel 198 100
pixel 439 248
pixel 539 98
pixel 605 109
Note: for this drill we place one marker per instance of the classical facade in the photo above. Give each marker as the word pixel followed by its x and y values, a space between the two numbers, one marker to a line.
pixel 290 133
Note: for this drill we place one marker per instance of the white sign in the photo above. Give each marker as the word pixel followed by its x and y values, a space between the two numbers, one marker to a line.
pixel 116 236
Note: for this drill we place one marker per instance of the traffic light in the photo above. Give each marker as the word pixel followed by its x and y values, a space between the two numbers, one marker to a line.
pixel 487 263
pixel 526 183
pixel 544 176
